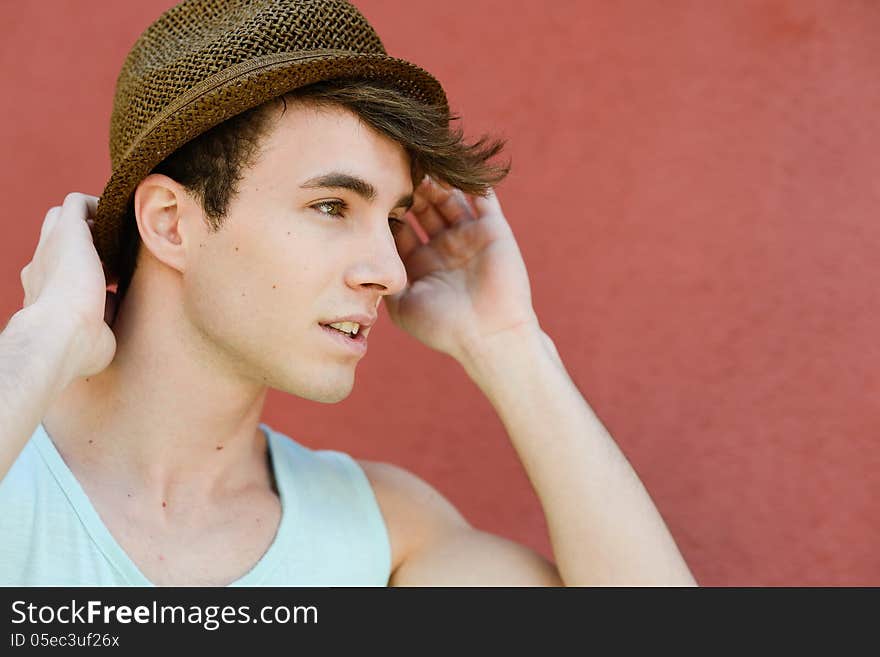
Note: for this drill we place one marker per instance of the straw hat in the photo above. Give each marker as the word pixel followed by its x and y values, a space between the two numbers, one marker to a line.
pixel 204 61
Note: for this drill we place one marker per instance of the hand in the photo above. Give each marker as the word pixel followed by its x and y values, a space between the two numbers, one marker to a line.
pixel 66 279
pixel 468 283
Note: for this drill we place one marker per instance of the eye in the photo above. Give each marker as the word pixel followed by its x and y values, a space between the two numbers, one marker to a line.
pixel 339 205
pixel 337 209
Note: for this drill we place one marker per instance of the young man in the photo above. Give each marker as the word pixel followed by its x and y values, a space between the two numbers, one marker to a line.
pixel 261 202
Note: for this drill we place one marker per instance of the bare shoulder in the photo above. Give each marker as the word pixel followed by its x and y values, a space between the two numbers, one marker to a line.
pixel 415 512
pixel 433 544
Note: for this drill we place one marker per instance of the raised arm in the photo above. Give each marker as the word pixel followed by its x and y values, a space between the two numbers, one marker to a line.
pixel 469 297
pixel 604 527
pixel 60 334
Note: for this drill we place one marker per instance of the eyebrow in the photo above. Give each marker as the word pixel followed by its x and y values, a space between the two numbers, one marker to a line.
pixel 340 180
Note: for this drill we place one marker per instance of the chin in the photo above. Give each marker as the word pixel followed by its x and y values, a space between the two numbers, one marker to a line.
pixel 331 396
pixel 327 392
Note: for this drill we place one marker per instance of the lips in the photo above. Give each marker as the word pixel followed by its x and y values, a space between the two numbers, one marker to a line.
pixel 366 321
pixel 344 333
pixel 357 344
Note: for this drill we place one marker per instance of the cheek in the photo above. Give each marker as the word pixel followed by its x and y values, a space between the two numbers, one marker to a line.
pixel 262 281
pixel 237 317
pixel 295 267
pixel 214 295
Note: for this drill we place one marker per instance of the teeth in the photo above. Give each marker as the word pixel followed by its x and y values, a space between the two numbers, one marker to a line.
pixel 348 327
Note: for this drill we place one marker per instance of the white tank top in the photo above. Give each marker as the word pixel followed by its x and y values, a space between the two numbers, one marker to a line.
pixel 331 533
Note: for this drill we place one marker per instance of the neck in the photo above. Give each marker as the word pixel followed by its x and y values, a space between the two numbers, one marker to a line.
pixel 169 417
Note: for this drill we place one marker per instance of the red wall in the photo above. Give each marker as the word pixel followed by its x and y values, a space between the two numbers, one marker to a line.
pixel 694 190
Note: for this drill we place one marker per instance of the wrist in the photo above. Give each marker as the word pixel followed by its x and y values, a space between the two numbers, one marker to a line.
pixel 485 357
pixel 53 334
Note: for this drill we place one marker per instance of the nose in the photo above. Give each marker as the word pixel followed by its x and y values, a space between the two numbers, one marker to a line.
pixel 380 266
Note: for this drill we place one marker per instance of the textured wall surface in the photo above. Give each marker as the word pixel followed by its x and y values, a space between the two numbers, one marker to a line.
pixel 694 190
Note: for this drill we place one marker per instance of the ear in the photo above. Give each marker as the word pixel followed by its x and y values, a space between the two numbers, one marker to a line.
pixel 166 216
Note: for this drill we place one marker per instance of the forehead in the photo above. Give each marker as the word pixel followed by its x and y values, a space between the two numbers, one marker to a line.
pixel 307 137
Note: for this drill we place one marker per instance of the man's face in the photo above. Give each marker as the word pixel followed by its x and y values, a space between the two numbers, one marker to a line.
pixel 292 255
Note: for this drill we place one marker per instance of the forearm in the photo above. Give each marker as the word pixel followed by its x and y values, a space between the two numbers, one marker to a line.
pixel 604 528
pixel 32 365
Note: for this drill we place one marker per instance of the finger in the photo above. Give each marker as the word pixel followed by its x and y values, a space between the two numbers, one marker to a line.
pixel 24 284
pixel 487 204
pixel 89 202
pixel 421 262
pixel 490 212
pixel 79 206
pixel 465 205
pixel 425 212
pixel 407 240
pixel 49 222
pixel 91 224
pixel 451 203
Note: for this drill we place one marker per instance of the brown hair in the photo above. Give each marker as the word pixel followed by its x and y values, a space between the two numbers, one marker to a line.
pixel 211 165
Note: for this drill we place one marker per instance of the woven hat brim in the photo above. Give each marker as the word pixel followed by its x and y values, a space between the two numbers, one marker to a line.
pixel 230 92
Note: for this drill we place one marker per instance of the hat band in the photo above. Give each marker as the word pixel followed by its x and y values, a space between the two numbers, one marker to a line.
pixel 228 75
